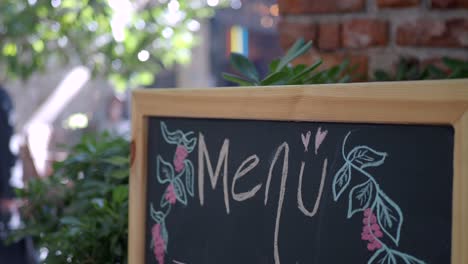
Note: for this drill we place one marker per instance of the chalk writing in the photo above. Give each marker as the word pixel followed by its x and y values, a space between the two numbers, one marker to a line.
pixel 382 218
pixel 319 138
pixel 305 140
pixel 300 203
pixel 222 161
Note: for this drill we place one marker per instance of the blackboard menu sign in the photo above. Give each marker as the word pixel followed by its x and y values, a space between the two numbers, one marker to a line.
pixel 317 174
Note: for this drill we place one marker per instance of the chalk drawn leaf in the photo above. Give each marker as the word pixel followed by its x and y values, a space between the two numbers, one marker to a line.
pixel 405 258
pixel 179 189
pixel 390 256
pixel 382 256
pixel 363 157
pixel 164 170
pixel 171 137
pixel 189 182
pixel 157 216
pixel 341 181
pixel 389 216
pixel 361 197
pixel 165 235
pixel 189 143
pixel 163 201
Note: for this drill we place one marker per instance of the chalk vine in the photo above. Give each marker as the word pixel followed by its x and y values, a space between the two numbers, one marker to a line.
pixel 179 179
pixel 382 217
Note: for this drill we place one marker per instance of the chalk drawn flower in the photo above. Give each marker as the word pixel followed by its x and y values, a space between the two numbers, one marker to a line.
pixel 382 215
pixel 371 230
pixel 180 155
pixel 173 174
pixel 171 196
pixel 159 243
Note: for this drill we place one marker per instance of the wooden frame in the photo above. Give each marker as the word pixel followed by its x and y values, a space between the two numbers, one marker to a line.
pixel 421 102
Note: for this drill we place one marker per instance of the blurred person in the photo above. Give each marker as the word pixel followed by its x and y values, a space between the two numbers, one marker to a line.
pixel 19 252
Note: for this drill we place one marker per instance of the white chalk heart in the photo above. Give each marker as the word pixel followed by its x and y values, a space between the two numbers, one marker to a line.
pixel 305 140
pixel 319 137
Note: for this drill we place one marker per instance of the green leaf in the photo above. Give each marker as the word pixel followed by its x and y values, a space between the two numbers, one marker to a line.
pixel 117 161
pixel 276 78
pixel 10 49
pixel 244 66
pixel 144 78
pixel 454 64
pixel 316 78
pixel 298 49
pixel 435 72
pixel 237 79
pixel 307 70
pixel 333 72
pixel 290 53
pixel 73 231
pixel 345 79
pixel 38 46
pixel 120 194
pixel 401 71
pixel 338 70
pixel 297 69
pixel 274 65
pixel 70 220
pixel 121 174
pixel 380 75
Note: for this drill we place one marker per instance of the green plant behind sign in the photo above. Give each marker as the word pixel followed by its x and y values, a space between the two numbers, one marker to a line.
pixel 80 213
pixel 281 72
pixel 411 70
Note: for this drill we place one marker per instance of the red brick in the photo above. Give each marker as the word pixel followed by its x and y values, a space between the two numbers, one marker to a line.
pixel 434 33
pixel 361 33
pixel 443 3
pixel 320 6
pixel 397 3
pixel 329 36
pixel 291 31
pixel 449 3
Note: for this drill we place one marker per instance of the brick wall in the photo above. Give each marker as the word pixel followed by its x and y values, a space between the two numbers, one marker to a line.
pixel 376 33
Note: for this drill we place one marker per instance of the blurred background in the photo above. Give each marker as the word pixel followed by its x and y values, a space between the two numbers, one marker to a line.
pixel 70 65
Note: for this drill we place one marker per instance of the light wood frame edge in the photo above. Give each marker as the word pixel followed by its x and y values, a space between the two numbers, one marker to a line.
pixel 422 102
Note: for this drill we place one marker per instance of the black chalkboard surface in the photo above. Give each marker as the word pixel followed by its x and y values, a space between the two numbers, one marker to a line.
pixel 239 191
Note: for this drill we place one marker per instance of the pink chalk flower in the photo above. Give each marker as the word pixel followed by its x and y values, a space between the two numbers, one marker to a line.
pixel 171 196
pixel 159 243
pixel 180 155
pixel 371 230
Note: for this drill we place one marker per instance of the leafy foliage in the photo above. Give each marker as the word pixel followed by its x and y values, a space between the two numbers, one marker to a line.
pixel 412 70
pixel 281 72
pixel 106 39
pixel 80 212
